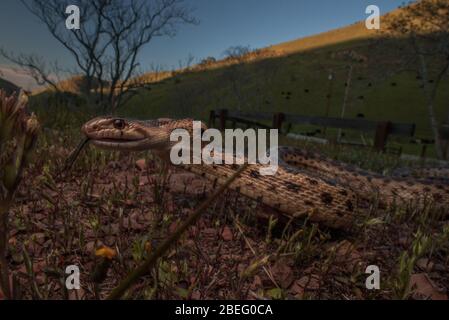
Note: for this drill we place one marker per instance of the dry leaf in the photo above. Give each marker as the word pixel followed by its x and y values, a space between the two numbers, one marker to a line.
pixel 227 234
pixel 283 274
pixel 422 285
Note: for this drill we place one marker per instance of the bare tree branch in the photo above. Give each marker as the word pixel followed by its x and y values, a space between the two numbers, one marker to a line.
pixel 36 68
pixel 113 33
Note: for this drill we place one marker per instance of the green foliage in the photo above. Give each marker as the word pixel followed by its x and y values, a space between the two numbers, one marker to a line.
pixel 422 245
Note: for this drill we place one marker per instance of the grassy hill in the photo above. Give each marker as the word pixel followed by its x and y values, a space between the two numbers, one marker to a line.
pixel 354 32
pixel 294 78
pixel 9 87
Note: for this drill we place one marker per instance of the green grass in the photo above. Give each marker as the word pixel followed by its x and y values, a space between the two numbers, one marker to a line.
pixel 305 75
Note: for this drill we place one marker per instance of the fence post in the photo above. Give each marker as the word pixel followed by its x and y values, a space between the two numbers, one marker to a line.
pixel 278 119
pixel 444 135
pixel 382 132
pixel 223 118
pixel 423 152
pixel 212 119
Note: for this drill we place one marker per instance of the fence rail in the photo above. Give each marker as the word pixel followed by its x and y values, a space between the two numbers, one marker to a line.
pixel 382 129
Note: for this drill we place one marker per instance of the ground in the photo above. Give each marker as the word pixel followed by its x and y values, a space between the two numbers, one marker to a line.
pixel 232 252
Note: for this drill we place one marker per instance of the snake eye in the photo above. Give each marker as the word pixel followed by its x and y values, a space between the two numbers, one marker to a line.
pixel 119 124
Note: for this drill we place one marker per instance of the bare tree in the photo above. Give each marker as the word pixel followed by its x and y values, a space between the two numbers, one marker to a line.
pixel 185 65
pixel 36 67
pixel 237 52
pixel 426 25
pixel 107 46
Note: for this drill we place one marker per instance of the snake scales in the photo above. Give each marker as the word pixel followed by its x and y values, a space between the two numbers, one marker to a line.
pixel 306 184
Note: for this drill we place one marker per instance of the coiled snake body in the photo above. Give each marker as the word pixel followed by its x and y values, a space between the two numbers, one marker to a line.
pixel 306 184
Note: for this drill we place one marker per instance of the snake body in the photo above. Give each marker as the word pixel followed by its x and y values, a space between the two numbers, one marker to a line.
pixel 305 185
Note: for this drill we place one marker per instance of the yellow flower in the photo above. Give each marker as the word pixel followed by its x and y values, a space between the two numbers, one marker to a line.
pixel 106 252
pixel 32 124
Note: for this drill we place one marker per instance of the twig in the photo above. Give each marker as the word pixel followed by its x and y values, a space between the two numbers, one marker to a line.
pixel 30 271
pixel 118 292
pixel 4 268
pixel 73 156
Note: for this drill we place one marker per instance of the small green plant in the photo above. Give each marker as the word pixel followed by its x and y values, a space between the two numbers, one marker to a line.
pixel 407 261
pixel 140 249
pixel 271 224
pixel 302 244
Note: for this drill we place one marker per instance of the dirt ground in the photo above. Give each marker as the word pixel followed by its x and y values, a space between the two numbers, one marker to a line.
pixel 236 250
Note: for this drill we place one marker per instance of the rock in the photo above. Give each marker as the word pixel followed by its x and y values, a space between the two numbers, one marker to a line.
pixel 189 243
pixel 423 287
pixel 90 247
pixel 173 227
pixel 188 183
pixel 257 283
pixel 76 294
pixel 196 295
pixel 297 290
pixel 209 232
pixel 141 164
pixel 404 241
pixel 440 267
pixel 283 273
pixel 193 231
pixel 310 282
pixel 346 254
pixel 17 258
pixel 227 234
pixel 39 238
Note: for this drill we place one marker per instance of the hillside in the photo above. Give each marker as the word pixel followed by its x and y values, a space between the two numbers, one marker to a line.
pixel 295 79
pixel 9 87
pixel 353 32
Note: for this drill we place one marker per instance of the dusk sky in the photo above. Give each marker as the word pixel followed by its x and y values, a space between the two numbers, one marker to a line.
pixel 223 23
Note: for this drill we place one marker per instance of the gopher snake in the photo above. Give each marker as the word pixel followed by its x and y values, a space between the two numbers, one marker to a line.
pixel 305 185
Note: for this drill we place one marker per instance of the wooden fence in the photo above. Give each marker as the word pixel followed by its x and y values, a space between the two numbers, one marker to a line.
pixel 283 122
pixel 444 131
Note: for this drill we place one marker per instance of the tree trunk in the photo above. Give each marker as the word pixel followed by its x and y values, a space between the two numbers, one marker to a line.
pixel 430 94
pixel 345 99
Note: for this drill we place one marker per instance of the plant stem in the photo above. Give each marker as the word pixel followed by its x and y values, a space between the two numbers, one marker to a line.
pixel 4 232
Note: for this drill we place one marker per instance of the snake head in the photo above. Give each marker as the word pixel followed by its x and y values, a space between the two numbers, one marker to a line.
pixel 123 134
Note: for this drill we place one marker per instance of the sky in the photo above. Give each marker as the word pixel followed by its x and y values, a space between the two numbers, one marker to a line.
pixel 223 23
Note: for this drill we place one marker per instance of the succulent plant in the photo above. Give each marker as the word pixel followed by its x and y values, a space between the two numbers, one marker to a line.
pixel 18 135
